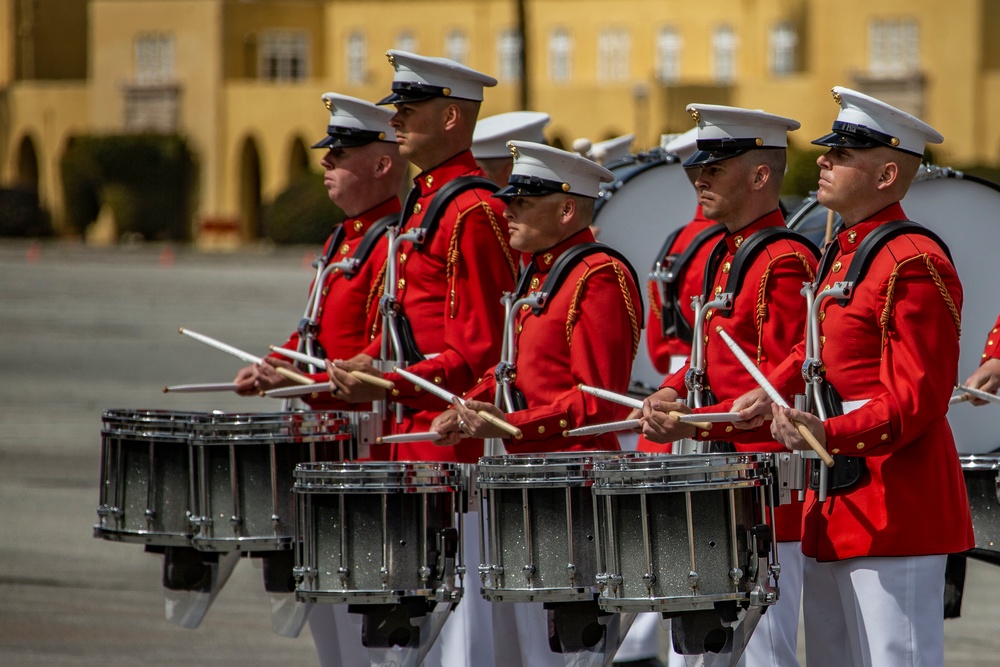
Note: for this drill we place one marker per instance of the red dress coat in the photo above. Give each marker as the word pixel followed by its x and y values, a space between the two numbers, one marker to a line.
pixel 588 333
pixel 348 312
pixel 894 345
pixel 992 349
pixel 450 291
pixel 767 319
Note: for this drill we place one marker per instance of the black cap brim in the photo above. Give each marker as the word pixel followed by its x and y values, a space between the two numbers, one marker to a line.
pixel 699 158
pixel 838 140
pixel 337 141
pixel 397 98
pixel 510 191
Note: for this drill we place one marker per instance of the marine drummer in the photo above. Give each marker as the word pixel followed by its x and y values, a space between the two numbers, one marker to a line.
pixel 448 288
pixel 762 265
pixel 363 173
pixel 987 376
pixel 876 548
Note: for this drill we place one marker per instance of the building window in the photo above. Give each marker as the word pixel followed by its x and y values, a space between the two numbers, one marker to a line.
pixel 784 42
pixel 613 50
pixel 456 46
pixel 509 55
pixel 406 41
pixel 893 47
pixel 668 55
pixel 724 54
pixel 283 56
pixel 154 59
pixel 356 60
pixel 560 56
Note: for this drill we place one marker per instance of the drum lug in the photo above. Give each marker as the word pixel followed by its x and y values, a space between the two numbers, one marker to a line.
pixel 693 580
pixel 235 522
pixel 384 575
pixel 602 581
pixel 425 573
pixel 736 574
pixel 496 572
pixel 484 573
pixel 303 574
pixel 571 571
pixel 150 514
pixel 649 579
pixel 529 572
pixel 345 574
pixel 614 582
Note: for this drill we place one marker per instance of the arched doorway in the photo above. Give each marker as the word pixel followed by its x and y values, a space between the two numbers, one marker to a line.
pixel 27 176
pixel 250 190
pixel 298 159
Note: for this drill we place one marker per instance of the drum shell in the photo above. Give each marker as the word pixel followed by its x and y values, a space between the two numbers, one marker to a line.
pixel 244 470
pixel 686 520
pixel 371 532
pixel 146 479
pixel 982 482
pixel 538 515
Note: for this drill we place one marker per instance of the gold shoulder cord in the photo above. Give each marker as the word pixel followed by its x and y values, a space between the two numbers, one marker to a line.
pixel 454 255
pixel 760 312
pixel 574 313
pixel 890 292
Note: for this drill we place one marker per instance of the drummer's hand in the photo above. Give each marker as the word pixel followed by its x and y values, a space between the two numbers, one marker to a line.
pixel 474 426
pixel 754 407
pixel 245 381
pixel 784 430
pixel 659 426
pixel 446 425
pixel 986 378
pixel 349 387
pixel 256 378
pixel 636 414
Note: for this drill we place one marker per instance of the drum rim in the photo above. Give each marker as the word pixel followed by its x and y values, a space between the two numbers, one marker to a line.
pixel 980 461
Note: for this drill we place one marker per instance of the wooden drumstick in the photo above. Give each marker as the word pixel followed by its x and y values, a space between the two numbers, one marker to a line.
pixel 426 436
pixel 364 377
pixel 704 426
pixel 446 395
pixel 829 230
pixel 774 396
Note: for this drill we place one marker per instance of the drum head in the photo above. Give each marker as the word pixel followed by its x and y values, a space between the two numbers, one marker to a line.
pixel 650 197
pixel 962 210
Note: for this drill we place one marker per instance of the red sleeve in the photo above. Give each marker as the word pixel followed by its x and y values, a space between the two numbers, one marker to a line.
pixel 992 349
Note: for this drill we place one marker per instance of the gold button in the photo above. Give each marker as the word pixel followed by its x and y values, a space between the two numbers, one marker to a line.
pixel 395 392
pixel 429 180
pixel 989 342
pixel 836 266
pixel 326 290
pixel 344 249
pixel 738 241
pixel 402 257
pixel 835 450
pixel 726 267
pixel 885 436
pixel 995 330
pixel 822 340
pixel 729 429
pixel 705 434
pixel 438 379
pixel 822 316
pixel 547 258
pixel 563 423
pixel 417 207
pixel 535 282
pixel 826 287
pixel 416 387
pixel 984 355
pixel 706 339
pixel 708 315
pixel 718 289
pixel 525 307
pixel 851 237
pixel 357 225
pixel 401 283
pixel 541 429
pixel 519 328
pixel 861 445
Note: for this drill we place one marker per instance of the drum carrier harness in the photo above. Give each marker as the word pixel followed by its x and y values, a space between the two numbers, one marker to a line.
pixel 410 352
pixel 848 471
pixel 505 373
pixel 742 260
pixel 668 270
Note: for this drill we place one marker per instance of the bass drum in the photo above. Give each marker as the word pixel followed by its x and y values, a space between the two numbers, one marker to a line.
pixel 650 197
pixel 962 210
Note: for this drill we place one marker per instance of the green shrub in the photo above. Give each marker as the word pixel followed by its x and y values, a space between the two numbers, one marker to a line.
pixel 146 179
pixel 303 213
pixel 21 215
pixel 802 175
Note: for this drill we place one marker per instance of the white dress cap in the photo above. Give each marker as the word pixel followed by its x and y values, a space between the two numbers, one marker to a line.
pixel 682 145
pixel 420 78
pixel 612 150
pixel 541 170
pixel 865 122
pixel 355 122
pixel 725 132
pixel 492 134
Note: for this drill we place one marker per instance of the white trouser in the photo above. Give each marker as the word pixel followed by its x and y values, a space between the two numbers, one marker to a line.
pixel 643 638
pixel 337 636
pixel 521 636
pixel 875 612
pixel 774 642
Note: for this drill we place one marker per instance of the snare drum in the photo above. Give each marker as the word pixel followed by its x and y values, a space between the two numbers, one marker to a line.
pixel 537 517
pixel 377 532
pixel 244 471
pixel 146 493
pixel 982 481
pixel 682 533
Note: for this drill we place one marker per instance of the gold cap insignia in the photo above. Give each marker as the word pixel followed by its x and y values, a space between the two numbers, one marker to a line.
pixel 328 103
pixel 696 115
pixel 391 58
pixel 446 91
pixel 894 141
pixel 836 96
pixel 565 187
pixel 513 149
pixel 759 141
pixel 381 135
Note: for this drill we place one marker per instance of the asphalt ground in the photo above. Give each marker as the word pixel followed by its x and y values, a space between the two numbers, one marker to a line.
pixel 85 329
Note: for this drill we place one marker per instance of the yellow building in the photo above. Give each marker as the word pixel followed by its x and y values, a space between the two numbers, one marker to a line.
pixel 241 79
